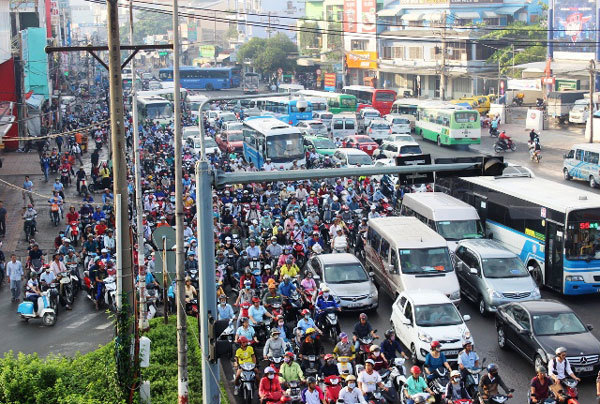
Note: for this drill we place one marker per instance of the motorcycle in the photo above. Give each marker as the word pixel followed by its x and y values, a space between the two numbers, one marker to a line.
pixel 110 292
pixel 332 388
pixel 312 366
pixel 275 362
pixel 501 146
pixel 74 274
pixel 29 228
pixel 73 233
pixel 494 132
pixel 294 392
pixel 248 382
pixel 65 177
pixel 330 323
pixel 501 398
pixel 534 155
pixel 570 391
pixel 152 297
pixel 83 187
pixel 439 382
pixel 44 310
pixel 66 287
pixel 391 395
pixel 262 330
pixel 191 308
pixel 299 254
pixel 364 347
pixel 55 214
pixel 344 366
pixel 294 305
pixel 398 373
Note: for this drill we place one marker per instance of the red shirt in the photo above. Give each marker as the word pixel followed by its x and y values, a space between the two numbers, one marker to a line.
pixel 72 217
pixel 270 389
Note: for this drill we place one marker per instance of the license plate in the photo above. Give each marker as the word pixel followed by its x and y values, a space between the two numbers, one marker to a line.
pixel 354 305
pixel 369 147
pixel 583 368
pixel 452 352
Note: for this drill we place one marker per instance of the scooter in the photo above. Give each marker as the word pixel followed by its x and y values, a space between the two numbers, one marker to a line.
pixel 502 398
pixel 344 366
pixel 500 146
pixel 44 311
pixel 472 381
pixel 332 388
pixel 364 347
pixel 110 293
pixel 83 187
pixel 571 390
pixel 248 381
pixel 55 214
pixel 66 287
pixel 398 373
pixel 73 233
pixel 330 323
pixel 439 382
pixel 534 155
pixel 295 392
pixel 494 132
pixel 29 228
pixel 312 367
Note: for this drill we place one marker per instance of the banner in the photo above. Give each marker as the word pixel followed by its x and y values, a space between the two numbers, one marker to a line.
pixel 350 15
pixel 575 26
pixel 329 83
pixel 523 84
pixel 368 16
pixel 361 60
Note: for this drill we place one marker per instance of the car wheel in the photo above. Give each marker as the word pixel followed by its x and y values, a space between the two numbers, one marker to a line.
pixel 209 87
pixel 482 307
pixel 501 338
pixel 566 175
pixel 593 183
pixel 536 274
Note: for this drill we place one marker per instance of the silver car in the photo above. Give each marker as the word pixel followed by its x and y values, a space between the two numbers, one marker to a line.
pixel 347 279
pixel 490 275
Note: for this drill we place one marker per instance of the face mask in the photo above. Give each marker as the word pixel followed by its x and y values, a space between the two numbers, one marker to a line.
pixel 286 360
pixel 271 377
pixel 377 353
pixel 307 316
pixel 223 303
pixel 325 295
pixel 276 336
pixel 351 385
pixel 248 287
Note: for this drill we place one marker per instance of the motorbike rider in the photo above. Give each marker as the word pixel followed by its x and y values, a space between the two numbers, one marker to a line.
pixel 289 269
pixel 312 394
pixel 339 242
pixel 30 214
pixel 504 140
pixel 350 394
pixel 455 389
pixel 467 358
pixel 269 389
pixel 242 262
pixel 244 354
pixel 344 347
pixel 559 367
pixel 253 250
pixel 274 346
pixel 32 290
pixel 533 136
pixel 540 386
pixel 489 383
pixel 369 379
pixel 286 287
pixel 434 360
pixel 329 368
pixel 380 361
pixel 308 285
pixel 272 295
pixel 324 301
pixel 257 312
pixel 362 329
pixel 247 276
pixel 290 370
pixel 391 345
pixel 224 309
pixel 306 322
pixel 415 385
pixel 311 345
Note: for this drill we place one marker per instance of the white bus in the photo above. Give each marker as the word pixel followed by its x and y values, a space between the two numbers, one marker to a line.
pixel 289 88
pixel 407 108
pixel 166 93
pixel 268 137
pixel 156 109
pixel 553 227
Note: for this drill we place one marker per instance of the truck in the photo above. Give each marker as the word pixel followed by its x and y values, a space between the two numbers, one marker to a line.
pixel 560 103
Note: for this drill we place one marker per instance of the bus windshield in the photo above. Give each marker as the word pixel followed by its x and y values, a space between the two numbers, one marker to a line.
pixel 285 147
pixel 454 230
pixel 425 261
pixel 349 102
pixel 465 117
pixel 583 235
pixel 407 110
pixel 155 111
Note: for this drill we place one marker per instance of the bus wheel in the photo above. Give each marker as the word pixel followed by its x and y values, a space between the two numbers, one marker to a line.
pixel 209 87
pixel 439 141
pixel 536 274
pixel 593 183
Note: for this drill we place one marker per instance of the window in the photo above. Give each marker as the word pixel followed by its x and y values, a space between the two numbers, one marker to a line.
pixel 374 239
pixel 408 311
pixel 358 44
pixel 496 21
pixel 521 318
pixel 385 248
pixel 394 262
pixel 415 52
pixel 571 154
pixel 387 52
pixel 579 155
pixel 590 157
pixel 398 52
pixel 338 124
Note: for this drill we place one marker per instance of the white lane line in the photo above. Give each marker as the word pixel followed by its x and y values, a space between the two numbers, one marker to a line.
pixel 103 326
pixel 81 321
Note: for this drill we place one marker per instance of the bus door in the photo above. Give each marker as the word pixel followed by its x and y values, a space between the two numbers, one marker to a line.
pixel 553 277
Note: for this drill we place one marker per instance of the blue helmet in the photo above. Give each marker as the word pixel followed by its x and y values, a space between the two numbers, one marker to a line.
pixel 492 368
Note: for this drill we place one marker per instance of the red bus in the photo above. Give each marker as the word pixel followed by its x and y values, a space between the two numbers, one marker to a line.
pixel 377 98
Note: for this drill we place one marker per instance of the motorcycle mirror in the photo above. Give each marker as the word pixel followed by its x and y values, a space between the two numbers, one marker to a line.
pixel 466 317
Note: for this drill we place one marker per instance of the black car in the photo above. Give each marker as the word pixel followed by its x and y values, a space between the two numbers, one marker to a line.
pixel 536 328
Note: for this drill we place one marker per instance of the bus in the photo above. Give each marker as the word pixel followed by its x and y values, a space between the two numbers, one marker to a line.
pixel 128 79
pixel 289 88
pixel 378 98
pixel 268 137
pixel 551 226
pixel 251 83
pixel 336 102
pixel 448 124
pixel 283 109
pixel 407 108
pixel 166 93
pixel 156 109
pixel 199 78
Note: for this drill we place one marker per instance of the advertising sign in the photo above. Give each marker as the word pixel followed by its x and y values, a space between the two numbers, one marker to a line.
pixel 362 60
pixel 350 15
pixel 575 27
pixel 207 51
pixel 329 83
pixel 368 16
pixel 567 84
pixel 522 84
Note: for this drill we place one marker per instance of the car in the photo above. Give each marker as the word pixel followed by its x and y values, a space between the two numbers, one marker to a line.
pixel 312 127
pixel 232 126
pixel 324 116
pixel 421 316
pixel 352 158
pixel 211 117
pixel 535 328
pixel 227 117
pixel 230 141
pixel 398 149
pixel 361 142
pixel 323 146
pixel 378 129
pixel 399 124
pixel 364 117
pixel 190 131
pixel 210 146
pixel 400 137
pixel 490 275
pixel 347 279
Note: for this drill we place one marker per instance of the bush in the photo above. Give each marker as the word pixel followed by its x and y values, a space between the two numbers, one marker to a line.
pixel 92 378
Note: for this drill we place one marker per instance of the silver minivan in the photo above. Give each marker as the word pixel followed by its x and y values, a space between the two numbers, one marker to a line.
pixel 490 275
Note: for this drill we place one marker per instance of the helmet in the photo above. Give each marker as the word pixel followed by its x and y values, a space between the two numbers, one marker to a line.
pixel 467 342
pixel 242 339
pixel 415 370
pixel 290 354
pixel 324 288
pixel 389 333
pixel 269 369
pixel 255 300
pixel 374 348
pixel 328 356
pixel 455 373
pixel 492 368
pixel 435 344
pixel 305 312
pixel 560 350
pixel 343 335
pixel 311 379
pixel 363 315
pixel 371 361
pixel 310 330
pixel 275 331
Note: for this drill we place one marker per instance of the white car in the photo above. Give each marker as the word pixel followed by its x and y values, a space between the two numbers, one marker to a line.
pixel 228 117
pixel 398 149
pixel 313 127
pixel 232 125
pixel 420 317
pixel 378 129
pixel 325 116
pixel 210 146
pixel 365 116
pixel 400 124
pixel 190 131
pixel 352 158
pixel 211 117
pixel 402 137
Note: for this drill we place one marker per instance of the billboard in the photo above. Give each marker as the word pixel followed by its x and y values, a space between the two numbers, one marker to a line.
pixel 575 29
pixel 350 15
pixel 329 82
pixel 368 16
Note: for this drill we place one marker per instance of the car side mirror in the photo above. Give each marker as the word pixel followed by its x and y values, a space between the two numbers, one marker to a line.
pixel 565 156
pixel 371 274
pixel 466 317
pixel 473 271
pixel 523 331
pixel 589 327
pixel 406 321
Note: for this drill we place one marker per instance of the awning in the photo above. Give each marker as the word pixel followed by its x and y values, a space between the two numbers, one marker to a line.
pixel 433 16
pixel 412 17
pixel 305 62
pixel 35 101
pixel 489 14
pixel 508 10
pixel 389 12
pixel 467 15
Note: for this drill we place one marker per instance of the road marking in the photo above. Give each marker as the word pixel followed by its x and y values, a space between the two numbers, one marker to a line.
pixel 82 321
pixel 104 326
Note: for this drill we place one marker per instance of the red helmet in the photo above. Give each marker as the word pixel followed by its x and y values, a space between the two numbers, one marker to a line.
pixel 242 339
pixel 435 344
pixel 415 370
pixel 255 300
pixel 305 312
pixel 328 356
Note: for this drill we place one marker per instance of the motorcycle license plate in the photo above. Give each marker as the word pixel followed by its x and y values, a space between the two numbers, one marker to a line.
pixel 369 147
pixel 451 352
pixel 583 368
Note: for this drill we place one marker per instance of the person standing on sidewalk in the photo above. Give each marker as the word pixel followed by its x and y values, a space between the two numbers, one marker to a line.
pixel 2 219
pixel 14 272
pixel 27 191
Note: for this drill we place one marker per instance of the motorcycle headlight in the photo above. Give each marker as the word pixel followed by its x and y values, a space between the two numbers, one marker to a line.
pixel 425 337
pixel 454 295
pixel 494 294
pixel 536 293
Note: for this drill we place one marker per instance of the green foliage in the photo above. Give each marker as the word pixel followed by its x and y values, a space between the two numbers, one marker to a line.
pixel 308 38
pixel 146 23
pixel 268 55
pixel 92 378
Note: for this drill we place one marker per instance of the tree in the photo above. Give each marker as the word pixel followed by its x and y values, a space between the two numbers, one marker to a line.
pixel 308 37
pixel 146 23
pixel 269 55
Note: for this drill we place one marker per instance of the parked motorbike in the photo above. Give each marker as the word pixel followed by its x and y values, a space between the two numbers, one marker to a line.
pixel 44 310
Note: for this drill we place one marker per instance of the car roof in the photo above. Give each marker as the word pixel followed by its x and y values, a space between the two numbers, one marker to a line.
pixel 370 109
pixel 487 248
pixel 545 306
pixel 400 142
pixel 378 120
pixel 426 296
pixel 343 258
pixel 350 150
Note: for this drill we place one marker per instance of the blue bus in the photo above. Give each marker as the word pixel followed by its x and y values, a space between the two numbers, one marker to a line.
pixel 204 78
pixel 268 137
pixel 283 109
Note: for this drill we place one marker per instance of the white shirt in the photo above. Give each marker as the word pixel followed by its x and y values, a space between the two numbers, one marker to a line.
pixel 351 397
pixel 558 368
pixel 340 242
pixel 312 398
pixel 369 381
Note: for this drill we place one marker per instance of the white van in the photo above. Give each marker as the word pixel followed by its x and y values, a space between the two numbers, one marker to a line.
pixel 343 125
pixel 405 254
pixel 581 163
pixel 451 218
pixel 580 112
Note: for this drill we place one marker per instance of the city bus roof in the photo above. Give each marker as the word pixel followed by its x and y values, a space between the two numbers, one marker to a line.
pixel 152 99
pixel 270 126
pixel 439 206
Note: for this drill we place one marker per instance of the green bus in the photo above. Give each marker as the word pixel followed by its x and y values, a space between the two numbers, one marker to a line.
pixel 448 124
pixel 336 102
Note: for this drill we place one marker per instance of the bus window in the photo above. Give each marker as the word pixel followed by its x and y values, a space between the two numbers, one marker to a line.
pixel 465 117
pixel 384 96
pixel 349 124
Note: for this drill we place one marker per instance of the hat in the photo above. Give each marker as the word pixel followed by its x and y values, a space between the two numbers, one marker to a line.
pixel 290 354
pixel 275 331
pixel 269 369
pixel 310 330
pixel 454 373
pixel 371 361
pixel 350 378
pixel 363 315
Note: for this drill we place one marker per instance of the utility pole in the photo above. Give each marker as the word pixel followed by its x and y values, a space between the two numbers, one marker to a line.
pixel 139 207
pixel 513 60
pixel 269 29
pixel 498 77
pixel 182 372
pixel 117 131
pixel 443 71
pixel 591 107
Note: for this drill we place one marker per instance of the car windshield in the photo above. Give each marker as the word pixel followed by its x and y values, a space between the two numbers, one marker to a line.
pixel 455 230
pixel 380 126
pixel 318 126
pixel 208 142
pixel 410 150
pixel 418 261
pixel 359 159
pixel 228 117
pixel 235 137
pixel 323 144
pixel 235 126
pixel 345 273
pixel 435 315
pixel 401 121
pixel 403 138
pixel 510 267
pixel 371 114
pixel 364 140
pixel 557 324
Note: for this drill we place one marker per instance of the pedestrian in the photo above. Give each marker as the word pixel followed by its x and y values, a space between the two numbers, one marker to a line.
pixel 59 142
pixel 2 219
pixel 14 272
pixel 45 165
pixel 76 151
pixel 27 191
